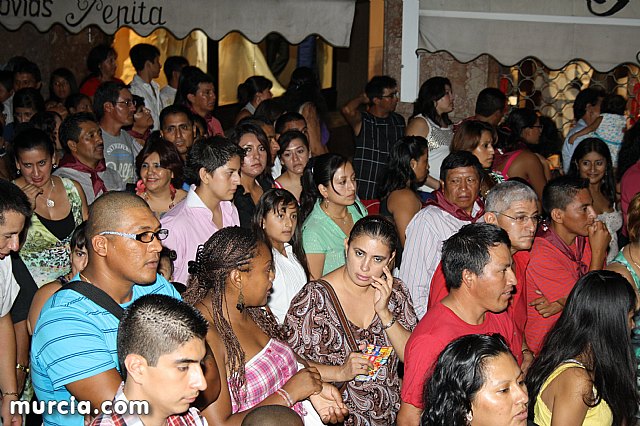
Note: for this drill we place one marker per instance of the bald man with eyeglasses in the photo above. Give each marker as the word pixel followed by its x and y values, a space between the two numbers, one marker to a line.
pixel 74 348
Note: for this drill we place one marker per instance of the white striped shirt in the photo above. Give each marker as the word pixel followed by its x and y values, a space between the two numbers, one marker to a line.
pixel 426 232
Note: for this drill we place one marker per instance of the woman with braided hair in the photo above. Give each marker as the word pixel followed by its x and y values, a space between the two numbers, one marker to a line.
pixel 229 283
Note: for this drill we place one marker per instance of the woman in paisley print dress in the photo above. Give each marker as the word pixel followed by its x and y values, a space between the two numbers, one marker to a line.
pixel 59 207
pixel 383 316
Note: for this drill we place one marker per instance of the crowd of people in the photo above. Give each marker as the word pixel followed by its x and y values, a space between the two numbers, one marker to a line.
pixel 447 274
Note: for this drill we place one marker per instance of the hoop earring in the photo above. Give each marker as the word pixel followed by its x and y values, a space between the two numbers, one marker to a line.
pixel 18 172
pixel 326 203
pixel 240 304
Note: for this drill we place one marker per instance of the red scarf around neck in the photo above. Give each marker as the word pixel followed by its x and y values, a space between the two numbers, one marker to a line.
pixel 73 163
pixel 441 202
pixel 546 232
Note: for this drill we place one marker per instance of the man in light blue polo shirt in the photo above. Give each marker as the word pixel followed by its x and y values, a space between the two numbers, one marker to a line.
pixel 74 351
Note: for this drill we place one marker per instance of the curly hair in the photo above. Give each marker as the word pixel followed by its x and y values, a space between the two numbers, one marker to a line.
pixel 457 376
pixel 229 249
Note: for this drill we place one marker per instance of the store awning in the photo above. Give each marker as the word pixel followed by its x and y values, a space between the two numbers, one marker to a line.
pixel 554 31
pixel 294 19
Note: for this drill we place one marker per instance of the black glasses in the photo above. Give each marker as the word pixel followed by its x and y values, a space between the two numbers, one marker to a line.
pixel 143 237
pixel 521 220
pixel 126 103
pixel 390 95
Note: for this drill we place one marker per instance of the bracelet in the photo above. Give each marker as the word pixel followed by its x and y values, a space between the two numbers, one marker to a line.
pixel 285 395
pixel 23 368
pixel 389 324
pixel 16 394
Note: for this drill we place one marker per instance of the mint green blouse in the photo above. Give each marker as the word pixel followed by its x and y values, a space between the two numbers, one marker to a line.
pixel 321 235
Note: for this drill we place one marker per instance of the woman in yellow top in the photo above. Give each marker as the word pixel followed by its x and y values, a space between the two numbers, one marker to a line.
pixel 585 373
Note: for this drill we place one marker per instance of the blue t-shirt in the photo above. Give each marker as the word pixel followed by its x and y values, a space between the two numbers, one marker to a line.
pixel 75 339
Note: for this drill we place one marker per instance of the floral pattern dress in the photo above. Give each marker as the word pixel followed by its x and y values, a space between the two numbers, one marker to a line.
pixel 315 334
pixel 46 256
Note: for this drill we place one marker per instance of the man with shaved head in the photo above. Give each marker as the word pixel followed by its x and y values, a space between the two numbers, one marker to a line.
pixel 74 348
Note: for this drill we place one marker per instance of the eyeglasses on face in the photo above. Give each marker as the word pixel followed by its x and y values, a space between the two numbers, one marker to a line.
pixel 143 237
pixel 521 220
pixel 128 103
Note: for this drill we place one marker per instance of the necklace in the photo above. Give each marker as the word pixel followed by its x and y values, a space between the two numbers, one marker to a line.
pixel 172 204
pixel 84 278
pixel 50 202
pixel 632 260
pixel 343 219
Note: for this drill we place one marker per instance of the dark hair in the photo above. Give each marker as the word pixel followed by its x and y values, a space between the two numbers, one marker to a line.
pixel 171 256
pixel 174 64
pixel 74 99
pixel 209 153
pixel 287 117
pixel 320 170
pixel 46 121
pixel 6 79
pixel 510 136
pixel 169 157
pixel 289 136
pixel 376 227
pixel 28 67
pixel 229 249
pixel 586 146
pixel 275 200
pixel 629 151
pixel 633 218
pixel 613 104
pixel 304 87
pixel 588 96
pixel 459 159
pixel 490 100
pixel 458 375
pixel 558 193
pixel 398 171
pixel 430 92
pixel 199 123
pixel 469 249
pixel 190 79
pixel 70 128
pixel 468 134
pixel 375 87
pixel 78 237
pixel 107 92
pixel 12 199
pixel 141 53
pixel 248 126
pixel 270 109
pixel 68 76
pixel 155 325
pixel 173 110
pixel 594 325
pixel 28 98
pixel 32 138
pixel 252 86
pixel 550 138
pixel 98 55
pixel 138 101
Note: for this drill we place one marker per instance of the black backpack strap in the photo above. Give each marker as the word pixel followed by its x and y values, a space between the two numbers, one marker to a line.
pixel 96 295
